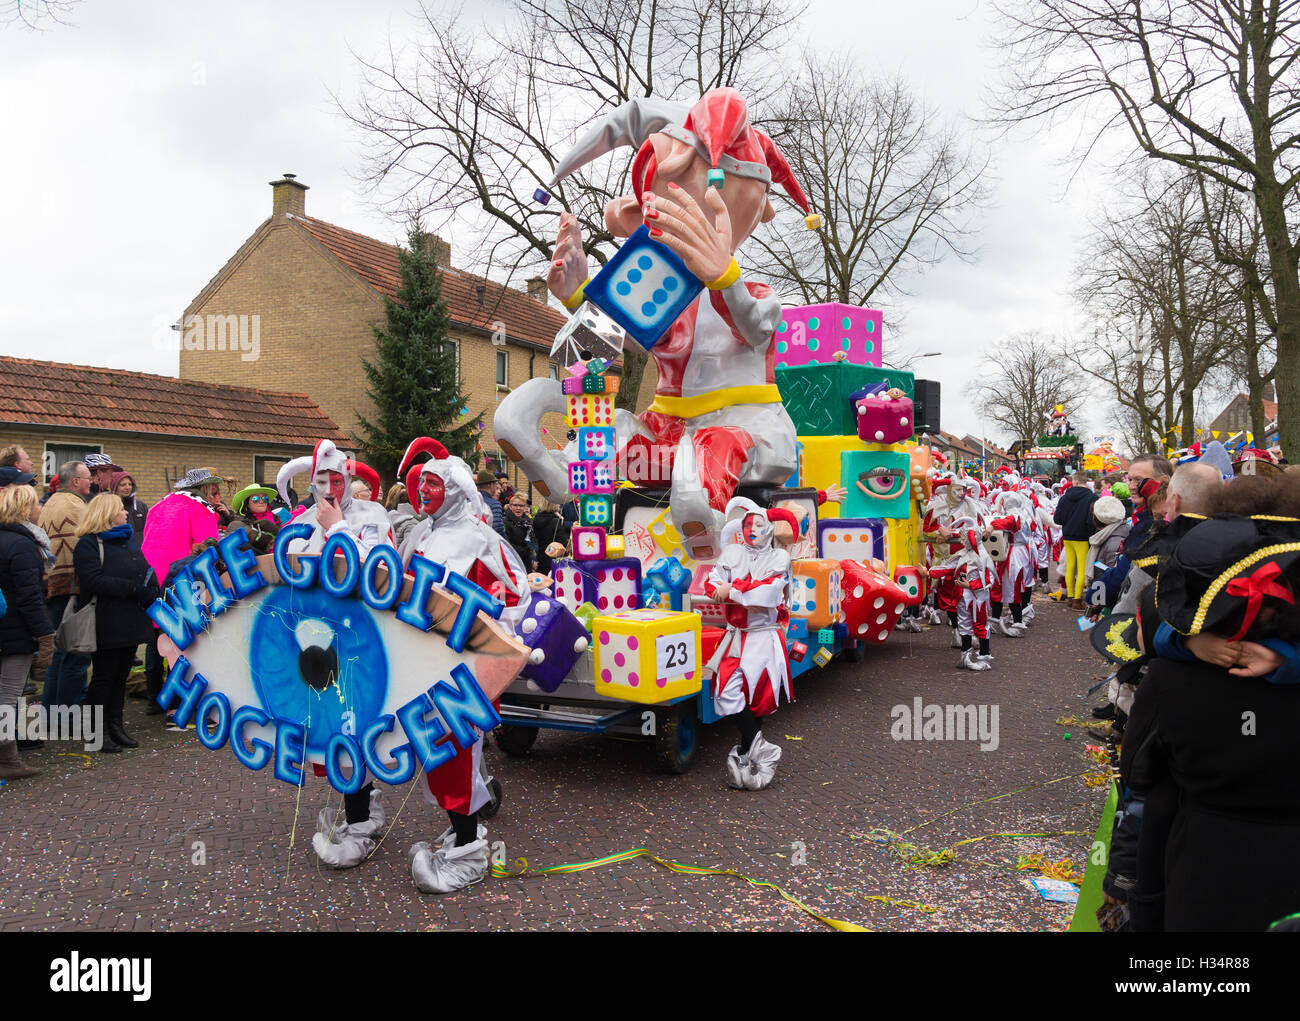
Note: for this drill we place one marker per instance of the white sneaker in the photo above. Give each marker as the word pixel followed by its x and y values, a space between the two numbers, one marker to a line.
pixel 449 868
pixel 936 616
pixel 1029 614
pixel 342 849
pixel 737 767
pixel 763 757
pixel 1010 630
pixel 956 639
pixel 909 624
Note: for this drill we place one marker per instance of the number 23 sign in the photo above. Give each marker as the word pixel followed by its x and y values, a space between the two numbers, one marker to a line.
pixel 675 655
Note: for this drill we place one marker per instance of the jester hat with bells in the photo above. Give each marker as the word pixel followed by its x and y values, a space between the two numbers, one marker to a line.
pixel 327 457
pixel 716 128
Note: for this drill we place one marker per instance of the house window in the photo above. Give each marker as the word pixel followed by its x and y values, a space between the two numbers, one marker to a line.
pixel 503 375
pixel 56 454
pixel 265 469
pixel 555 371
pixel 450 347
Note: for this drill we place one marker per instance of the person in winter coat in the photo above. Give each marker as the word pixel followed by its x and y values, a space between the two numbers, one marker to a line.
pixel 519 531
pixel 65 681
pixel 25 629
pixel 549 527
pixel 1105 544
pixel 112 569
pixel 1074 515
pixel 124 486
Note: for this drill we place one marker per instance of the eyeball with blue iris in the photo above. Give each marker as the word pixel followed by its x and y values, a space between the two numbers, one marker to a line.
pixel 880 484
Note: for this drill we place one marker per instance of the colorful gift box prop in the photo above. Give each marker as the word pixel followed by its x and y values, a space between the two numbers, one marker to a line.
pixel 648 656
pixel 872 603
pixel 819 400
pixel 556 638
pixel 816 592
pixel 811 334
pixel 878 483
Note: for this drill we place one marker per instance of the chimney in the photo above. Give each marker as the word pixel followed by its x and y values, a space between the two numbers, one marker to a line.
pixel 1268 393
pixel 288 196
pixel 537 288
pixel 439 249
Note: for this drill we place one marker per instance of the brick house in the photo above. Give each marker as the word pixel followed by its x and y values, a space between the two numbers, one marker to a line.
pixel 317 290
pixel 156 427
pixel 1235 418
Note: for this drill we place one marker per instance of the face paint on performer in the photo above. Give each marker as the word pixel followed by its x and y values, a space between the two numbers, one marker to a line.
pixel 755 530
pixel 432 493
pixel 330 484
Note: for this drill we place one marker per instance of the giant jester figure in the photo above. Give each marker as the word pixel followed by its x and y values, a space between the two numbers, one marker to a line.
pixel 700 182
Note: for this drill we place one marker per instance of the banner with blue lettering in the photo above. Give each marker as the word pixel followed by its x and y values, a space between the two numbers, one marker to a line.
pixel 357 669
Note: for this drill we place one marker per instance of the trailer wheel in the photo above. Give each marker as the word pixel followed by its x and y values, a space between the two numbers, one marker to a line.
pixel 516 741
pixel 675 737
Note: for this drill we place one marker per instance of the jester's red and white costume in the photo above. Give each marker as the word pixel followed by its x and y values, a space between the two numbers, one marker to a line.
pixel 1015 574
pixel 750 670
pixel 954 498
pixel 453 533
pixel 972 571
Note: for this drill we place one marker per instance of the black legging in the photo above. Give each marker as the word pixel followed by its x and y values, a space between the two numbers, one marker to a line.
pixel 747 723
pixel 356 808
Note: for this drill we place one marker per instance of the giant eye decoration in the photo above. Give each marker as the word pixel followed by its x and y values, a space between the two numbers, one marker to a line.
pixel 319 661
pixel 882 483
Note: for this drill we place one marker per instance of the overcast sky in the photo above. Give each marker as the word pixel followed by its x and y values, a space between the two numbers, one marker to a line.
pixel 140 139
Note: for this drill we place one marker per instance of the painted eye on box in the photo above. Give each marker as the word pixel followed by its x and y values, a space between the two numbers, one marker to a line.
pixel 882 483
pixel 319 661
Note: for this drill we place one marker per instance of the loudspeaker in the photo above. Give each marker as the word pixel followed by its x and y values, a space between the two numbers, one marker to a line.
pixel 925 407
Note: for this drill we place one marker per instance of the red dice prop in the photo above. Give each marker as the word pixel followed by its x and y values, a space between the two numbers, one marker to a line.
pixel 872 603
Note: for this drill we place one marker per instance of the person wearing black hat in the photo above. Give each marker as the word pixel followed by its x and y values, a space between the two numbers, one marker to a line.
pixel 1224 738
pixel 489 488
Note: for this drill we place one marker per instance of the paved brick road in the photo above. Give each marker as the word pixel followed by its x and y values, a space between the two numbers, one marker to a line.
pixel 108 843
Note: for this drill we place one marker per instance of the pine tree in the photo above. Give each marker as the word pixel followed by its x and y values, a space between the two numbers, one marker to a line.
pixel 415 383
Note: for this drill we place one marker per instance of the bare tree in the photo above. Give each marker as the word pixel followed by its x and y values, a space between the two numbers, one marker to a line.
pixel 1162 300
pixel 475 118
pixel 1187 79
pixel 896 189
pixel 1022 379
pixel 31 14
pixel 1234 230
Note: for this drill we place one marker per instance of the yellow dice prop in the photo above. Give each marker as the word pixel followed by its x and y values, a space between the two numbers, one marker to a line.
pixel 647 655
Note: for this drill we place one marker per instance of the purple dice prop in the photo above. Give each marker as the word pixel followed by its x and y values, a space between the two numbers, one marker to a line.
pixel 556 638
pixel 851 539
pixel 812 334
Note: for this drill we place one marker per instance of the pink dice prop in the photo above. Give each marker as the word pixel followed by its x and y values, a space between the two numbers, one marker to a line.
pixel 883 418
pixel 815 334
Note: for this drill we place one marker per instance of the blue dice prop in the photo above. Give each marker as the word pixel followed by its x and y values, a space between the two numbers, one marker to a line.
pixel 644 288
pixel 556 639
pixel 668 577
pixel 542 196
pixel 596 443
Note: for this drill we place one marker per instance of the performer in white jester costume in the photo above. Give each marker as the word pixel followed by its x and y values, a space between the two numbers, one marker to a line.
pixel 750 671
pixel 453 533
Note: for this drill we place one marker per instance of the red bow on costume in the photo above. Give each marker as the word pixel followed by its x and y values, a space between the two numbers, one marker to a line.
pixel 1253 588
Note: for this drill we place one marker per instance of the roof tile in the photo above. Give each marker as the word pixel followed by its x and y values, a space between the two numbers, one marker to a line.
pixel 81 396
